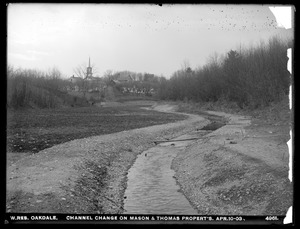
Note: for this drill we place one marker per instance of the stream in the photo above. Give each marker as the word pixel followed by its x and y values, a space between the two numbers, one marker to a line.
pixel 152 187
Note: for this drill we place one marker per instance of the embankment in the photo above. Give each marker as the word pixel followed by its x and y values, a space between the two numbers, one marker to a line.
pixel 239 169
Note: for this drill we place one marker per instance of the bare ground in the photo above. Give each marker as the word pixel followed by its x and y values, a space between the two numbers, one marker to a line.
pixel 84 175
pixel 241 168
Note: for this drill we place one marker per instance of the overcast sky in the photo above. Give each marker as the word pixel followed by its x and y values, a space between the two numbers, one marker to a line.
pixel 139 38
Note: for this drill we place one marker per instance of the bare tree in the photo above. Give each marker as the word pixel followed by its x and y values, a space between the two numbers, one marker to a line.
pixel 54 78
pixel 80 71
pixel 108 73
pixel 185 65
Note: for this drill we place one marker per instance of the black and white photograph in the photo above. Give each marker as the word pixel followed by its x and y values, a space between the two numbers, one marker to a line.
pixel 149 113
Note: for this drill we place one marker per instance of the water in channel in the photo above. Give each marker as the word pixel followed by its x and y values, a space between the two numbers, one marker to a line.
pixel 151 186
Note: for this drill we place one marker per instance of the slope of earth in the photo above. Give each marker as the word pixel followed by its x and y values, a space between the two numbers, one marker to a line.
pixel 241 168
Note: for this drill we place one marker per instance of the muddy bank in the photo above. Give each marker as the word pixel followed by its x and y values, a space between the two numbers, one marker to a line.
pixel 86 175
pixel 237 169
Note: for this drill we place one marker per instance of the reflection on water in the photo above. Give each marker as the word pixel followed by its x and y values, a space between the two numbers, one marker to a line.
pixel 151 187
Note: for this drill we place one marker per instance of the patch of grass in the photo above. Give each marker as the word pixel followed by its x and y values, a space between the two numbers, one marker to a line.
pixel 32 130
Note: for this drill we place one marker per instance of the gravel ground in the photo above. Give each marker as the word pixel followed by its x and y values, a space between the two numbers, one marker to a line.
pixel 85 175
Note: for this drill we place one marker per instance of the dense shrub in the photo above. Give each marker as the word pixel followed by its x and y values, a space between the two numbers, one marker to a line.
pixel 31 88
pixel 252 78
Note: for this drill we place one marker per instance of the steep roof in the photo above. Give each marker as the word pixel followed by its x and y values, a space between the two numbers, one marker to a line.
pixel 124 78
pixel 75 78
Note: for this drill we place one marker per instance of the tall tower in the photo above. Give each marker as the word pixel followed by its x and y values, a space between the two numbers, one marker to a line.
pixel 89 70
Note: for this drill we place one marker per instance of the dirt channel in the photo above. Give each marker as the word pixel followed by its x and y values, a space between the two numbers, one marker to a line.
pixel 232 169
pixel 85 175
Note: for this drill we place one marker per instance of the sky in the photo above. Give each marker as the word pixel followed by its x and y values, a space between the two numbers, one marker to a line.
pixel 142 38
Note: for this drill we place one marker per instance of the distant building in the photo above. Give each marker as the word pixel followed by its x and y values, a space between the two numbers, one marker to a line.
pixel 122 78
pixel 90 83
pixel 95 84
pixel 89 70
pixel 125 78
pixel 75 80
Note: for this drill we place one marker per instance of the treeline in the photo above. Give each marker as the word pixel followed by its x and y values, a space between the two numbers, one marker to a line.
pixel 27 88
pixel 250 78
